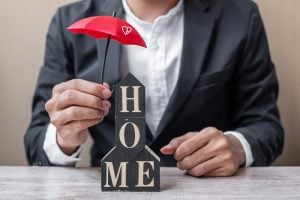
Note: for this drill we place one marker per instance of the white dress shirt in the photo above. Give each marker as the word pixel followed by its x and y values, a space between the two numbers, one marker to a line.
pixel 157 67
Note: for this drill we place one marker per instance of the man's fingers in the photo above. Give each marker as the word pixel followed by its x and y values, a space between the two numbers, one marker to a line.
pixel 205 167
pixel 74 132
pixel 76 127
pixel 192 144
pixel 83 86
pixel 227 167
pixel 213 148
pixel 198 157
pixel 170 148
pixel 76 113
pixel 220 172
pixel 215 172
pixel 77 98
pixel 106 85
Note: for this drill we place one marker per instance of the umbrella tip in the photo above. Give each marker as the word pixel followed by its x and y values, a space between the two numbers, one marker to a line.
pixel 114 13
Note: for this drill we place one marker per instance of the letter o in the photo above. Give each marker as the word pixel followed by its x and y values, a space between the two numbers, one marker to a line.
pixel 137 135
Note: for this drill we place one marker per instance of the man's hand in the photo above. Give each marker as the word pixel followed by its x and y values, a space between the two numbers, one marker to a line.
pixel 75 106
pixel 208 153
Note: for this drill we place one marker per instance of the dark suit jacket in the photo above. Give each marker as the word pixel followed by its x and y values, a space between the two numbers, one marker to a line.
pixel 227 79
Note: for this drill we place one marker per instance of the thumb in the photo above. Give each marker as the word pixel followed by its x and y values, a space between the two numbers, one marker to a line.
pixel 106 85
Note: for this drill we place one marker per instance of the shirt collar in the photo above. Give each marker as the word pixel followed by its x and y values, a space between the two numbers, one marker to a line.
pixel 164 18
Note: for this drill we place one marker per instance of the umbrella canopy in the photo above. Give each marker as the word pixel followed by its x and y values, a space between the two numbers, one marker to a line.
pixel 109 27
pixel 100 27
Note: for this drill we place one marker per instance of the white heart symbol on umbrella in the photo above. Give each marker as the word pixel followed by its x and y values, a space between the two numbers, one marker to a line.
pixel 126 30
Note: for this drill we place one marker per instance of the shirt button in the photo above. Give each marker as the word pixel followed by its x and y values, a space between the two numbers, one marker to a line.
pixel 155 46
pixel 157 90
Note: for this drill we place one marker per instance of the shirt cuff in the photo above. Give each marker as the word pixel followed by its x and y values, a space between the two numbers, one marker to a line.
pixel 245 145
pixel 54 153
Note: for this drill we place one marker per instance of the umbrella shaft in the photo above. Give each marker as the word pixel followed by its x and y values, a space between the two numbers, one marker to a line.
pixel 104 60
pixel 105 54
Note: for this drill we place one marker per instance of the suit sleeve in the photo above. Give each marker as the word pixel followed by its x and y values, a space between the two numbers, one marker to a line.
pixel 57 68
pixel 255 91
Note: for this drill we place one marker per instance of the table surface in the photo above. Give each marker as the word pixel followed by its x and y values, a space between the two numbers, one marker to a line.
pixel 84 183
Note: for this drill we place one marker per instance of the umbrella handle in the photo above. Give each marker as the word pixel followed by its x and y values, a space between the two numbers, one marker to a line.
pixel 113 89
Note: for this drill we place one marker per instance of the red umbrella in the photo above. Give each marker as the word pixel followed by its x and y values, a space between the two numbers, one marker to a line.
pixel 109 27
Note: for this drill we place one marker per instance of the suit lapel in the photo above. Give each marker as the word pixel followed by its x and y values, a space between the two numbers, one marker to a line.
pixel 198 27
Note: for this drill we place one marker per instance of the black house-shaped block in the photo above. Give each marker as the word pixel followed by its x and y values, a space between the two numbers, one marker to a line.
pixel 131 165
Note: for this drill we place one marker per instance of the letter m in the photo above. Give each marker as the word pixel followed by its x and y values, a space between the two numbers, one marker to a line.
pixel 121 174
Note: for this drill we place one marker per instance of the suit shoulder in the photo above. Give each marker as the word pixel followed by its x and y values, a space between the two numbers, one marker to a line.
pixel 238 11
pixel 69 13
pixel 80 9
pixel 238 7
pixel 241 3
pixel 234 17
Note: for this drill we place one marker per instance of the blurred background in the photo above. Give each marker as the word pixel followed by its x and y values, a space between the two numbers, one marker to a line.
pixel 23 30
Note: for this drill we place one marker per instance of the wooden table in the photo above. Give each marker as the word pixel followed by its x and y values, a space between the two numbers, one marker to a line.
pixel 84 183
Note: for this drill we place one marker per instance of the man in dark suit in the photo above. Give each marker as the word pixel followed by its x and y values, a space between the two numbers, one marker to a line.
pixel 220 115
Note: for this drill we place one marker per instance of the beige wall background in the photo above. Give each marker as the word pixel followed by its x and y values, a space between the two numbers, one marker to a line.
pixel 23 29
